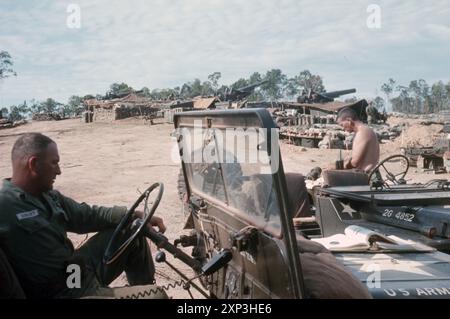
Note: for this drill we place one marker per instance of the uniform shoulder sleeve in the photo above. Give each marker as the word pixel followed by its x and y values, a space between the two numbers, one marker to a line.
pixel 84 218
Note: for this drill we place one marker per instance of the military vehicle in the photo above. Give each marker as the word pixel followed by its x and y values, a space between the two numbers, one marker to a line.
pixel 260 226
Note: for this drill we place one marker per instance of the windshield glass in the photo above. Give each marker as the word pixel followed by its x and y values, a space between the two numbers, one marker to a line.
pixel 232 165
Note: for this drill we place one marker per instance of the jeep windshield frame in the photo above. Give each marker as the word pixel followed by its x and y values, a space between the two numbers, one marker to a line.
pixel 219 175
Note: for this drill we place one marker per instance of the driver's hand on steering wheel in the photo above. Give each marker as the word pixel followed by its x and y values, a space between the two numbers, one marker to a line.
pixel 158 222
pixel 155 221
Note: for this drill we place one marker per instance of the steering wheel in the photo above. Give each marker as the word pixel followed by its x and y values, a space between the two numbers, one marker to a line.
pixel 129 228
pixel 395 179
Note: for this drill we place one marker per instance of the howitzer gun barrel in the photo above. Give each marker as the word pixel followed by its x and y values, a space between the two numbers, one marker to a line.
pixel 251 86
pixel 335 94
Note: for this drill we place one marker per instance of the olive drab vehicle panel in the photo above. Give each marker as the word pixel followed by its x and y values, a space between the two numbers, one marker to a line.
pixel 414 215
pixel 235 190
pixel 237 205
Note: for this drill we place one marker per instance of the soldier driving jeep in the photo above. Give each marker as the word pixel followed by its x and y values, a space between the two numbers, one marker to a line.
pixel 34 222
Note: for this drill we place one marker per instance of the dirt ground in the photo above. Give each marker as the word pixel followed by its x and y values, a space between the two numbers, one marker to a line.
pixel 106 164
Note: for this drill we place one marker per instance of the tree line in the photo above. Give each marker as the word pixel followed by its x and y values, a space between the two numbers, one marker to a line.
pixel 277 85
pixel 417 97
pixel 72 108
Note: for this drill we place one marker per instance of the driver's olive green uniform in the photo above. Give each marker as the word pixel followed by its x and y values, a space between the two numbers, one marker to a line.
pixel 33 234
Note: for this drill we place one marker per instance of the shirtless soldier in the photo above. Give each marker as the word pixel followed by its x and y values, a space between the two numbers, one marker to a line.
pixel 365 150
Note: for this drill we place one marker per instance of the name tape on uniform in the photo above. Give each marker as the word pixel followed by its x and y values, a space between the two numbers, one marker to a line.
pixel 25 215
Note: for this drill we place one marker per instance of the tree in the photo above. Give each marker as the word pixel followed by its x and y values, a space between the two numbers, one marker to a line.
pixel 4 112
pixel 35 107
pixel 167 94
pixel 419 97
pixel 24 109
pixel 207 89
pixel 50 106
pixel 292 87
pixel 305 81
pixel 177 91
pixel 378 102
pixel 74 106
pixel 185 90
pixel 196 88
pixel 308 81
pixel 14 114
pixel 387 88
pixel 439 97
pixel 5 72
pixel 239 83
pixel 6 63
pixel 117 90
pixel 419 91
pixel 145 91
pixel 273 88
pixel 257 94
pixel 401 103
pixel 214 80
pixel 447 89
pixel 255 78
pixel 18 112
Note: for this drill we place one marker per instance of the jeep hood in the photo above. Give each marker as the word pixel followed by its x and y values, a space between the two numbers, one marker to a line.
pixel 408 275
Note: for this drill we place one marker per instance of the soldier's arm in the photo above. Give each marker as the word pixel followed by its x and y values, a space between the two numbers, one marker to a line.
pixel 83 218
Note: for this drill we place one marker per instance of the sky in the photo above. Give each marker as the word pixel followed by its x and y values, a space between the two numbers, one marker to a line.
pixel 73 47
